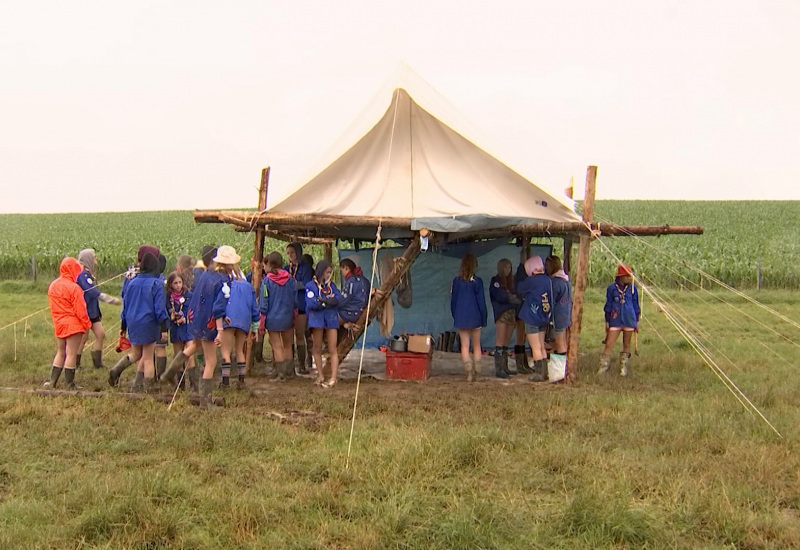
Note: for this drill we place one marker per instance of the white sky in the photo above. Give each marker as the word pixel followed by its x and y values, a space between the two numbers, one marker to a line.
pixel 110 105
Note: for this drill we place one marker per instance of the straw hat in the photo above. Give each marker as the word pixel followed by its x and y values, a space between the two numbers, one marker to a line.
pixel 227 255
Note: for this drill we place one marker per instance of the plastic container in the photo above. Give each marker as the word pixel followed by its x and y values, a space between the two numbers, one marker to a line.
pixel 407 366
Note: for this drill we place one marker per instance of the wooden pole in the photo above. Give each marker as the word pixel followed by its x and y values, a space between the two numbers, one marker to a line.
pixel 581 276
pixel 327 252
pixel 567 259
pixel 258 256
pixel 402 266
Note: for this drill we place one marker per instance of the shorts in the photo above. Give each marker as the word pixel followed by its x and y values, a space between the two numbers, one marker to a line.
pixel 509 317
pixel 559 330
pixel 96 319
pixel 533 329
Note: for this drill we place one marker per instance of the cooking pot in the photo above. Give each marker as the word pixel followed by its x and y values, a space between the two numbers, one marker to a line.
pixel 398 344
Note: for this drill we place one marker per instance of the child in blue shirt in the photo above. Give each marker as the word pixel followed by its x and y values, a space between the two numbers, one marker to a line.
pixel 622 314
pixel 278 307
pixel 321 300
pixel 536 308
pixel 468 307
pixel 504 305
pixel 87 280
pixel 302 272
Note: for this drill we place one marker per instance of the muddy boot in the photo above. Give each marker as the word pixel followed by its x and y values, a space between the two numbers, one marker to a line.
pixel 302 359
pixel 499 371
pixel 69 378
pixel 476 369
pixel 624 359
pixel 78 361
pixel 258 350
pixel 537 374
pixel 97 359
pixel 521 358
pixel 116 371
pixel 504 363
pixel 605 363
pixel 150 386
pixel 175 365
pixel 138 382
pixel 161 366
pixel 194 379
pixel 205 394
pixel 468 371
pixel 55 373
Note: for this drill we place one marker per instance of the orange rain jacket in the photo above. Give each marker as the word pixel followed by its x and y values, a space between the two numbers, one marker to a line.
pixel 67 305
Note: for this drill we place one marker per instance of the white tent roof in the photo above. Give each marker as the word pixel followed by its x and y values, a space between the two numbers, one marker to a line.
pixel 412 165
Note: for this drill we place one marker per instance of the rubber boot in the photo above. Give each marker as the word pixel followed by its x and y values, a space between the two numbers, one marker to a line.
pixel 624 359
pixel 175 365
pixel 116 371
pixel 499 371
pixel 288 370
pixel 537 373
pixel 150 385
pixel 55 373
pixel 69 378
pixel 302 359
pixel 97 359
pixel 504 363
pixel 258 350
pixel 605 363
pixel 161 366
pixel 138 382
pixel 468 370
pixel 78 361
pixel 521 359
pixel 476 369
pixel 194 379
pixel 205 394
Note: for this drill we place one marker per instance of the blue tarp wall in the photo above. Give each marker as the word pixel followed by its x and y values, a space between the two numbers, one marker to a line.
pixel 431 276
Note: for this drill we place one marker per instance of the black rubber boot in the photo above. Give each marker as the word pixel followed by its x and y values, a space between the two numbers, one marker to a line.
pixel 175 365
pixel 78 361
pixel 258 350
pixel 138 382
pixel 194 379
pixel 521 359
pixel 97 359
pixel 150 385
pixel 69 378
pixel 116 371
pixel 537 375
pixel 55 373
pixel 205 394
pixel 302 354
pixel 499 372
pixel 161 366
pixel 504 355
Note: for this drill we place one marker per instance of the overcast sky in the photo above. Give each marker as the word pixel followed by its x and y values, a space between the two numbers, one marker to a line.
pixel 174 105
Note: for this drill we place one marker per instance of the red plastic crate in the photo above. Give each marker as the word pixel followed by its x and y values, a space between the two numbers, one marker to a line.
pixel 407 366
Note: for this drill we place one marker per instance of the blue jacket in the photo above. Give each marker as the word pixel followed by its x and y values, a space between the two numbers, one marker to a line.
pixel 355 293
pixel 622 306
pixel 468 303
pixel 201 320
pixel 538 299
pixel 237 303
pixel 144 309
pixel 179 333
pixel 500 298
pixel 321 315
pixel 196 273
pixel 278 303
pixel 302 274
pixel 562 303
pixel 91 294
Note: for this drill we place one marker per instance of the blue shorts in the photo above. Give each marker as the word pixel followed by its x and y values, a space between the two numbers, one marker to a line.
pixel 533 329
pixel 559 330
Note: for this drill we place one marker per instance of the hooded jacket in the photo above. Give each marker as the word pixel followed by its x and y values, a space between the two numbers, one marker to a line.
pixel 320 313
pixel 204 294
pixel 500 297
pixel 468 303
pixel 562 301
pixel 302 274
pixel 67 306
pixel 236 302
pixel 144 311
pixel 278 300
pixel 537 292
pixel 355 293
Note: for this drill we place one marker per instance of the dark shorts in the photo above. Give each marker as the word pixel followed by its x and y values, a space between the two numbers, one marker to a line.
pixel 559 330
pixel 509 317
pixel 533 329
pixel 96 319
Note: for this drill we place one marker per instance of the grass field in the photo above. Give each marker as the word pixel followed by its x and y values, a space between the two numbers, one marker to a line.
pixel 663 459
pixel 739 234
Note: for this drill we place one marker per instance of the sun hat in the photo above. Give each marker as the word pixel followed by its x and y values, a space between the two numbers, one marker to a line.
pixel 227 255
pixel 623 270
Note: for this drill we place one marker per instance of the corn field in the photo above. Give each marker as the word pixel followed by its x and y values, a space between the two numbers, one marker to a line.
pixel 738 236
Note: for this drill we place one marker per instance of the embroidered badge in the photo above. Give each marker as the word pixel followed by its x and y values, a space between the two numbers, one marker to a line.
pixel 496 284
pixel 310 294
pixel 89 280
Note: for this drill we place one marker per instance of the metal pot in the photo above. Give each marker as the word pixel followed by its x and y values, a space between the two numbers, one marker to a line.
pixel 398 344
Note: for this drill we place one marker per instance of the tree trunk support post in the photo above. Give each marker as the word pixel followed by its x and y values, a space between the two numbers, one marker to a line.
pixel 581 276
pixel 402 266
pixel 258 256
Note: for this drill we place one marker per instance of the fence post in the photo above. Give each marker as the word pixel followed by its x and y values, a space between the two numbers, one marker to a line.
pixel 33 267
pixel 758 275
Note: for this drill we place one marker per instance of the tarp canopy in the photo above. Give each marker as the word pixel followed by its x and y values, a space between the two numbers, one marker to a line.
pixel 412 165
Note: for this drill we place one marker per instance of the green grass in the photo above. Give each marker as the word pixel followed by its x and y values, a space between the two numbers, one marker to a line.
pixel 664 459
pixel 738 234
